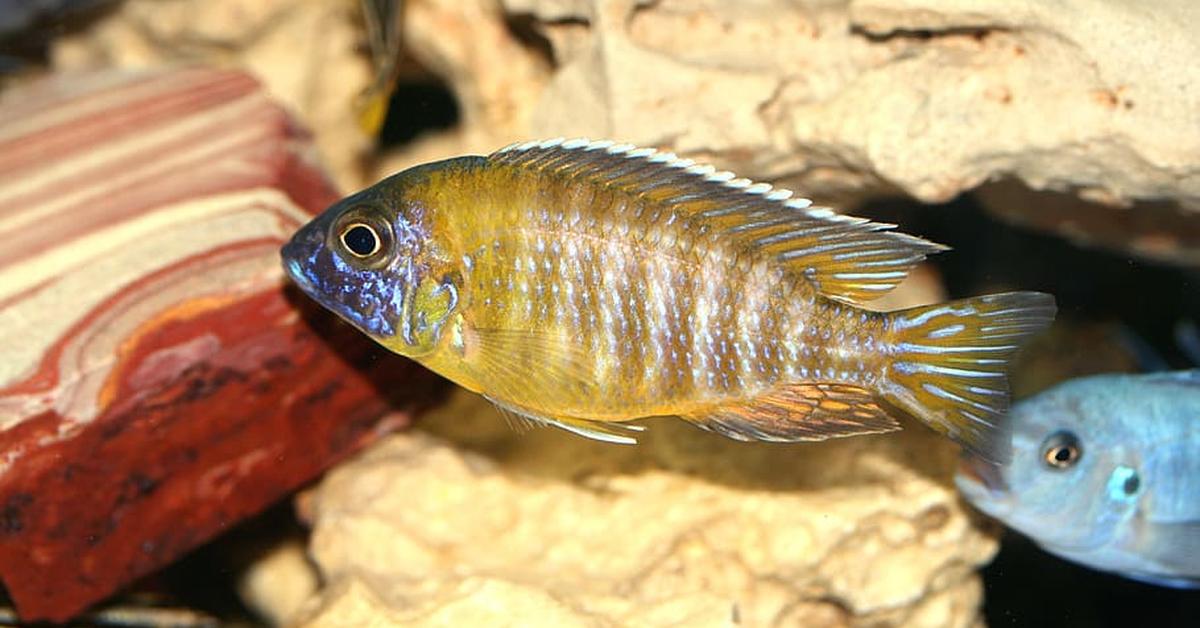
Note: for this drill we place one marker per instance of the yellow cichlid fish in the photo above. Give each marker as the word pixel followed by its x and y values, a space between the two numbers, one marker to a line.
pixel 586 284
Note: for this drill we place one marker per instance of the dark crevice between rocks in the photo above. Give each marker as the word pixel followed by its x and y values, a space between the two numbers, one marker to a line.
pixel 27 29
pixel 418 105
pixel 526 29
pixel 978 33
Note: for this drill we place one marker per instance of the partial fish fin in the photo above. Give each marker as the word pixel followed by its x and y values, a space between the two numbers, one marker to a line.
pixel 1145 355
pixel 517 363
pixel 609 432
pixel 797 412
pixel 516 421
pixel 382 19
pixel 1187 337
pixel 950 362
pixel 846 258
pixel 1173 544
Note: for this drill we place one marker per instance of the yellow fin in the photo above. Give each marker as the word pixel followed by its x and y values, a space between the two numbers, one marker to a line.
pixel 950 364
pixel 846 258
pixel 382 19
pixel 798 412
pixel 372 108
pixel 609 432
pixel 519 367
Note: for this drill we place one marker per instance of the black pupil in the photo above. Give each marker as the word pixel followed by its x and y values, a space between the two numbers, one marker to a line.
pixel 1061 450
pixel 1131 484
pixel 361 240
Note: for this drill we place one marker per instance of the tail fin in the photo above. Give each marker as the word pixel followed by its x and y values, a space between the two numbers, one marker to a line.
pixel 950 362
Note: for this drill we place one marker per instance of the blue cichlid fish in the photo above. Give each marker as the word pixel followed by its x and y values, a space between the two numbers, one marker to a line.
pixel 1105 473
pixel 587 284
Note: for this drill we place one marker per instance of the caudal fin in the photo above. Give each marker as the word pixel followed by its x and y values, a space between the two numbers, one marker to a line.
pixel 950 362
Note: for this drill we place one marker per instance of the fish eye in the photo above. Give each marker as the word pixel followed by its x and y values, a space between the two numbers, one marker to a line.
pixel 1061 450
pixel 360 239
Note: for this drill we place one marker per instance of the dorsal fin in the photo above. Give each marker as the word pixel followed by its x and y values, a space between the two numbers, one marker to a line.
pixel 844 257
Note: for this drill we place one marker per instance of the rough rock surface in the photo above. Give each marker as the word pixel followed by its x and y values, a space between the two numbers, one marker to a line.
pixel 1096 98
pixel 1099 99
pixel 479 525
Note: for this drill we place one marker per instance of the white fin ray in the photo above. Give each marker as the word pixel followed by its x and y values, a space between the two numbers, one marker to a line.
pixel 608 432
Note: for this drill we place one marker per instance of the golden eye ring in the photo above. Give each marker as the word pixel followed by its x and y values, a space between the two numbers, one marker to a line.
pixel 1061 450
pixel 360 240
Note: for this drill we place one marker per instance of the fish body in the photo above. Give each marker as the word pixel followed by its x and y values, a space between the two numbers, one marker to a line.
pixel 585 284
pixel 1105 473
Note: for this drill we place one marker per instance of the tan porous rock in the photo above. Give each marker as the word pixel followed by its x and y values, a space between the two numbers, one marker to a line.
pixel 471 523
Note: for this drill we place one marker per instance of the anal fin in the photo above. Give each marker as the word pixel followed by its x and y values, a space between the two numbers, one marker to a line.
pixel 798 412
pixel 606 431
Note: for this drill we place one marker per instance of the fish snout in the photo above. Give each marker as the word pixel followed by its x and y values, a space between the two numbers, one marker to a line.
pixel 300 255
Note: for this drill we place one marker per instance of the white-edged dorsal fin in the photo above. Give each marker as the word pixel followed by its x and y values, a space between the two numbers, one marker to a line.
pixel 844 257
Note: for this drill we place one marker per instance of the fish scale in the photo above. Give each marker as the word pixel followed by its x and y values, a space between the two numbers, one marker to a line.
pixel 711 339
pixel 586 284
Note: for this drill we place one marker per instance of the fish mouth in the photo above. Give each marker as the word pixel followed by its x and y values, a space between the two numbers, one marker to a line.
pixel 299 257
pixel 296 273
pixel 347 292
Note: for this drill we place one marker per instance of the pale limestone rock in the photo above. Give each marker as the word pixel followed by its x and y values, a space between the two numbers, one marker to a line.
pixel 478 525
pixel 310 54
pixel 495 75
pixel 278 583
pixel 842 98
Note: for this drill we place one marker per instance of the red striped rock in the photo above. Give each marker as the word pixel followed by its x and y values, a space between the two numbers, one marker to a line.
pixel 158 383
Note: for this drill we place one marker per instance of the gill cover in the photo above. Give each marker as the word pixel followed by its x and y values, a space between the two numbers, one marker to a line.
pixel 428 304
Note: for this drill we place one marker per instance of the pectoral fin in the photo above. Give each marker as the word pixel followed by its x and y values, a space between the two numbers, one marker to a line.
pixel 797 412
pixel 514 365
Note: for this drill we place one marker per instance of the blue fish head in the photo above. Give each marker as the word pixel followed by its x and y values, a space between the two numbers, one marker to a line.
pixel 355 260
pixel 1104 474
pixel 1072 483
